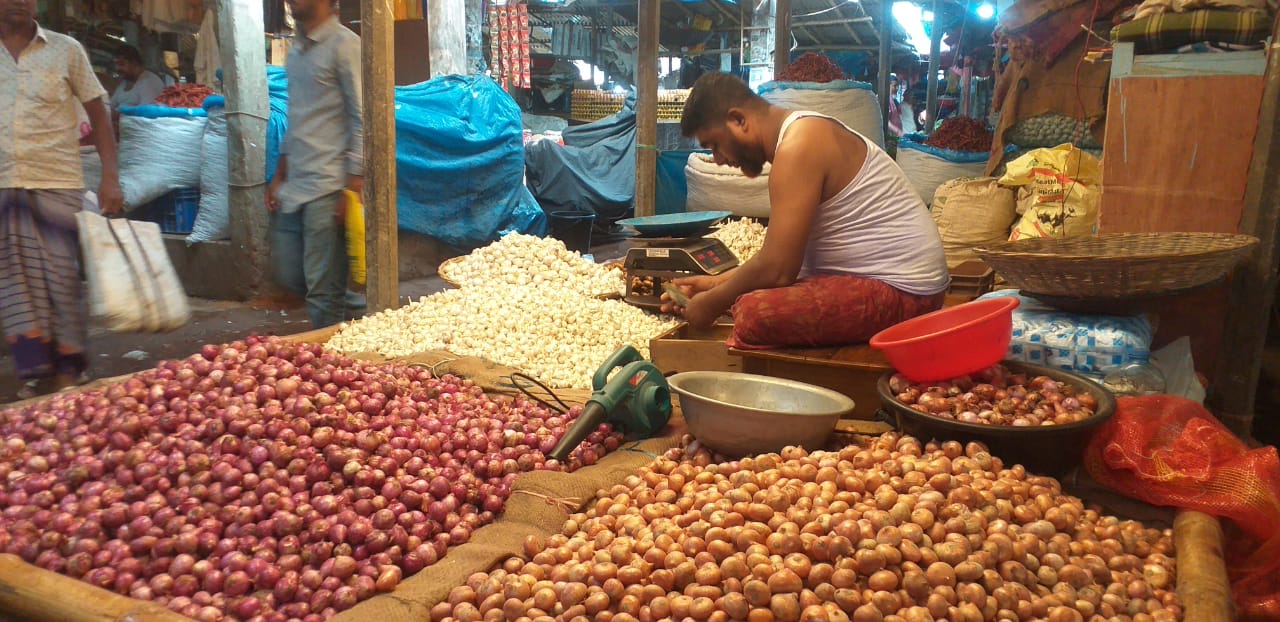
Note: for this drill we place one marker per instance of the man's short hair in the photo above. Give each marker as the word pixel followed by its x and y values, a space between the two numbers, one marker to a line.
pixel 129 53
pixel 712 97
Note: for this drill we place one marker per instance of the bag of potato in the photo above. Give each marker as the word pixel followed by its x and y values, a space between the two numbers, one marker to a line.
pixel 969 212
pixel 1058 192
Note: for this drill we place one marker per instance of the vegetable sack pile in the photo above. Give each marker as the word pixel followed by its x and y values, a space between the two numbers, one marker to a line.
pixel 961 134
pixel 184 95
pixel 265 480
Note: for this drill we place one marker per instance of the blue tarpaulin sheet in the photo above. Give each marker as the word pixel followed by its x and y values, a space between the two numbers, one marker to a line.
pixel 460 161
pixel 595 170
pixel 672 192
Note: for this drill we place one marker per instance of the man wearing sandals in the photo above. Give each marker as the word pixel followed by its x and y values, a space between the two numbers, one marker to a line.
pixel 43 309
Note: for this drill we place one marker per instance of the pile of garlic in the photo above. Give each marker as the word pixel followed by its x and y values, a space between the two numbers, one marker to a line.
pixel 529 260
pixel 554 334
pixel 744 237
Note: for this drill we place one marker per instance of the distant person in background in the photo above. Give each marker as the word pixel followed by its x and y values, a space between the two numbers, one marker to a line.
pixel 138 86
pixel 322 155
pixel 895 105
pixel 44 78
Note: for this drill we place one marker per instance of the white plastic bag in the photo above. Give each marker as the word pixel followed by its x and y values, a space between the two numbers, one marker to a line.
pixel 724 188
pixel 213 220
pixel 132 284
pixel 853 103
pixel 159 154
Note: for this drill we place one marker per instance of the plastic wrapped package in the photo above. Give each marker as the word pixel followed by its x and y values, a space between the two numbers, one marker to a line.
pixel 1086 344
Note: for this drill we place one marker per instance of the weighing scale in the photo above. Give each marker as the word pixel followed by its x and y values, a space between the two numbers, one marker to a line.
pixel 658 260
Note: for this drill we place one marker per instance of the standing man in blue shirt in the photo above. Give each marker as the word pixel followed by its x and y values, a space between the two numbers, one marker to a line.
pixel 323 154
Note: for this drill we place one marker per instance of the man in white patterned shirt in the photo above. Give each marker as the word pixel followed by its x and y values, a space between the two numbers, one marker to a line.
pixel 42 301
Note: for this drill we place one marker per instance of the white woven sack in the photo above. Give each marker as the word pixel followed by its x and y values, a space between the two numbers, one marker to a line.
pixel 971 212
pixel 857 108
pixel 132 284
pixel 158 156
pixel 724 188
pixel 213 220
pixel 927 172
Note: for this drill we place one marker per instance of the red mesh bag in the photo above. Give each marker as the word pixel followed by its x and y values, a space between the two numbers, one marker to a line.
pixel 1171 451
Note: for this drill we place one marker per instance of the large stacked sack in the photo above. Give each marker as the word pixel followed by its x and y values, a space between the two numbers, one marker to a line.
pixel 971 212
pixel 928 167
pixel 713 187
pixel 853 103
pixel 159 151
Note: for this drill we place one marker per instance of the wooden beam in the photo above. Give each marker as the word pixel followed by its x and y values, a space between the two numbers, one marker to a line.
pixel 935 58
pixel 377 41
pixel 839 48
pixel 852 32
pixel 781 35
pixel 1253 284
pixel 834 22
pixel 244 82
pixel 650 19
pixel 886 62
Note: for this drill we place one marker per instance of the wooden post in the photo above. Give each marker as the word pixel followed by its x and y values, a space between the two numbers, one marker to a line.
pixel 886 62
pixel 935 52
pixel 647 106
pixel 244 82
pixel 781 36
pixel 377 40
pixel 1253 284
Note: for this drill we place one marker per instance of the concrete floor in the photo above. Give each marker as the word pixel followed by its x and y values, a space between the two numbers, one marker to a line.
pixel 113 354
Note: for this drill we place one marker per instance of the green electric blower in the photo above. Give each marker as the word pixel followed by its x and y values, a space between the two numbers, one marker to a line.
pixel 636 400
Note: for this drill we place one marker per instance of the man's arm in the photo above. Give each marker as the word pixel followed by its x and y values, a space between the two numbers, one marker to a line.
pixel 110 196
pixel 795 191
pixel 349 69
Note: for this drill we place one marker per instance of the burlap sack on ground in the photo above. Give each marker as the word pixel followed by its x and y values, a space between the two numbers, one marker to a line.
pixel 524 515
pixel 970 212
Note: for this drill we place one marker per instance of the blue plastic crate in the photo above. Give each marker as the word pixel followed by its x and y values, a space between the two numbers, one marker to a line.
pixel 175 212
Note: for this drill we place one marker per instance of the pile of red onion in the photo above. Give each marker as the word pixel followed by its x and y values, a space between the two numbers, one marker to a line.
pixel 265 480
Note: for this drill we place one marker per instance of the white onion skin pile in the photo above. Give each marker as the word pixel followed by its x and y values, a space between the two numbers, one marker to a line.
pixel 265 481
pixel 556 335
pixel 893 531
pixel 531 261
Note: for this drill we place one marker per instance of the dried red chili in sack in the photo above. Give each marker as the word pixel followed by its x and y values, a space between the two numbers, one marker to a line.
pixel 1171 451
pixel 811 67
pixel 184 95
pixel 823 310
pixel 961 134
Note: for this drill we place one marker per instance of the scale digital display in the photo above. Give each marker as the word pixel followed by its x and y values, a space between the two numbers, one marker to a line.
pixel 649 267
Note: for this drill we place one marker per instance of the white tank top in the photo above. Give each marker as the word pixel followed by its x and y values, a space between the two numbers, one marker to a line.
pixel 876 227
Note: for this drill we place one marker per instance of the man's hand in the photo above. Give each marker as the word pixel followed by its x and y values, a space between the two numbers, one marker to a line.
pixel 110 197
pixel 273 189
pixel 690 285
pixel 355 185
pixel 702 312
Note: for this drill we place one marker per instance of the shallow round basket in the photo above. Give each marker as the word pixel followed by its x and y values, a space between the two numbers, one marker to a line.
pixel 444 268
pixel 1046 449
pixel 745 414
pixel 1116 265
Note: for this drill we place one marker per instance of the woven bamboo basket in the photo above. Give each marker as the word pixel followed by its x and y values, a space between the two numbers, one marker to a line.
pixel 443 270
pixel 1117 265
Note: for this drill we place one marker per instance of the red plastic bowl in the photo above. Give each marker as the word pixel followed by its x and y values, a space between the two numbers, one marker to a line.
pixel 952 342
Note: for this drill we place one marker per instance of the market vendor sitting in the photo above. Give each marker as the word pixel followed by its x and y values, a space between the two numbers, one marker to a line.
pixel 850 248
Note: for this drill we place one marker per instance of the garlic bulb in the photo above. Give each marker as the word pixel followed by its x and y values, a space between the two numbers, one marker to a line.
pixel 553 333
pixel 519 259
pixel 744 237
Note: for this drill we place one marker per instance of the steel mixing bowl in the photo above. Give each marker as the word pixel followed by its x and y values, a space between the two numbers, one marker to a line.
pixel 745 414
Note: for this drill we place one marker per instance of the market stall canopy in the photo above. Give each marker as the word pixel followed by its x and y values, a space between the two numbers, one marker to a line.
pixel 695 27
